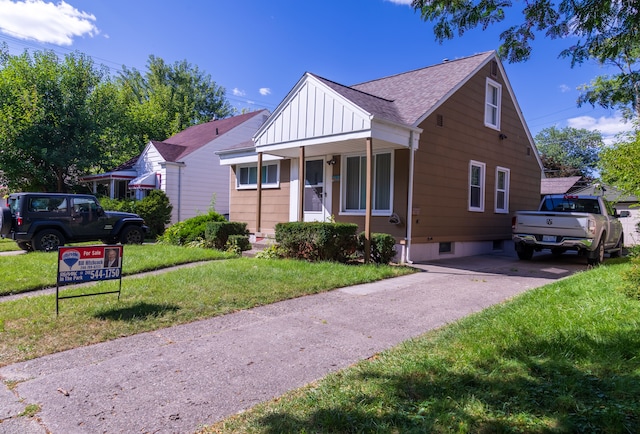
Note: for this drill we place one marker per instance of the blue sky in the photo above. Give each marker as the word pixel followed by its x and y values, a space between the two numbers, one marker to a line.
pixel 259 49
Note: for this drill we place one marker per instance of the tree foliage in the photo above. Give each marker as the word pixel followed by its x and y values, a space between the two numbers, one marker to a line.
pixel 55 118
pixel 606 31
pixel 65 117
pixel 169 98
pixel 569 151
pixel 620 164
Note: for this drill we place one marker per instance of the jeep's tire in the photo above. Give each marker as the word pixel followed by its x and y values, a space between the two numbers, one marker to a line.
pixel 5 221
pixel 597 256
pixel 24 245
pixel 132 235
pixel 48 240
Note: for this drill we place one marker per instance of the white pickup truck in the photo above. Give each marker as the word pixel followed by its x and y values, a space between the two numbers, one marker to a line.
pixel 588 224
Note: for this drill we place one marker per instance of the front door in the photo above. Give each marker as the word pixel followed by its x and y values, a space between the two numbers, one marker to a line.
pixel 315 195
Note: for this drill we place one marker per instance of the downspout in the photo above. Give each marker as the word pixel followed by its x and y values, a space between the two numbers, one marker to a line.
pixel 179 190
pixel 412 152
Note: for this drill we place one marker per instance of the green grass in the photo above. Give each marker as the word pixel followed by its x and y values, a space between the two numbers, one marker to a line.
pixel 29 327
pixel 8 245
pixel 37 270
pixel 564 358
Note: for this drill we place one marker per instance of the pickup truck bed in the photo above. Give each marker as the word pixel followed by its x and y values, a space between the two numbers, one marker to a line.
pixel 587 224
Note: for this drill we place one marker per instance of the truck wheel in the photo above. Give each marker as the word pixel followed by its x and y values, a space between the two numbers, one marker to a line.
pixel 597 256
pixel 5 220
pixel 132 235
pixel 525 253
pixel 48 240
pixel 617 251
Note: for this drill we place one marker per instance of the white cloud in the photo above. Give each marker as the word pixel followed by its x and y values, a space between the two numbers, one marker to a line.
pixel 264 91
pixel 564 88
pixel 238 92
pixel 45 22
pixel 609 127
pixel 401 2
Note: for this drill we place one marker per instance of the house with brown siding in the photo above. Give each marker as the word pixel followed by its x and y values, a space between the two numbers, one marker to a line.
pixel 185 166
pixel 438 157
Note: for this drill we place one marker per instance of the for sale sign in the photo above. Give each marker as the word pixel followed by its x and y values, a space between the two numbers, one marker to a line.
pixel 90 263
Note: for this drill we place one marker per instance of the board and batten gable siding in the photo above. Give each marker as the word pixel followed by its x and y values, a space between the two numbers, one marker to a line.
pixel 441 183
pixel 313 112
pixel 275 202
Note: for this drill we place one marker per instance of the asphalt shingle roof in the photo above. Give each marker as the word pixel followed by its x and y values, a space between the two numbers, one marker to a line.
pixel 193 138
pixel 414 93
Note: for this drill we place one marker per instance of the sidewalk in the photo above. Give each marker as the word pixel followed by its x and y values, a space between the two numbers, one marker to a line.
pixel 177 379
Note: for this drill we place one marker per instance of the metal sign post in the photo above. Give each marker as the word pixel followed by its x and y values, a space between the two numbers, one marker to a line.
pixel 88 264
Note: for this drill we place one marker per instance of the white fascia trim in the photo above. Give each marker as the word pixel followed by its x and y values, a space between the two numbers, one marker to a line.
pixel 247 159
pixel 320 140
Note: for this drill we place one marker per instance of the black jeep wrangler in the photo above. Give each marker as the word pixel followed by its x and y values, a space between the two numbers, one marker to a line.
pixel 45 221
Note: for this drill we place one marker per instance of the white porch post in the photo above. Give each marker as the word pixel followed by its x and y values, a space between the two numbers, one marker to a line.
pixel 301 178
pixel 259 193
pixel 368 201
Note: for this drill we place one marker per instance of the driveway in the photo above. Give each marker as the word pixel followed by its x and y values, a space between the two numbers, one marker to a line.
pixel 177 379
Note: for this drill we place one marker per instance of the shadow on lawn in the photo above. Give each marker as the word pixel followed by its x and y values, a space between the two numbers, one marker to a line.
pixel 137 312
pixel 573 384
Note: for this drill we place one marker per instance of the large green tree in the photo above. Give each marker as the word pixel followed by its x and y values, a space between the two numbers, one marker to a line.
pixel 167 98
pixel 569 151
pixel 55 118
pixel 620 164
pixel 605 31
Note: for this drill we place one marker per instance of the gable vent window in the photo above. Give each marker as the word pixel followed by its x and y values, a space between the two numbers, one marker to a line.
pixel 493 103
pixel 440 120
pixel 494 68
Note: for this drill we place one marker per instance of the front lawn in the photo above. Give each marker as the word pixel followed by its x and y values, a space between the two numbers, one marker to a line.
pixel 7 245
pixel 29 327
pixel 37 270
pixel 564 358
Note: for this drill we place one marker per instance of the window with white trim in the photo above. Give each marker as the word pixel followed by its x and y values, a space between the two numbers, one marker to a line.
pixel 476 186
pixel 502 189
pixel 492 104
pixel 354 187
pixel 247 176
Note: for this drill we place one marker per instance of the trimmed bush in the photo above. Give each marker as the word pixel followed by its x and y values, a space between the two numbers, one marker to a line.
pixel 155 209
pixel 189 230
pixel 125 205
pixel 218 234
pixel 317 241
pixel 382 247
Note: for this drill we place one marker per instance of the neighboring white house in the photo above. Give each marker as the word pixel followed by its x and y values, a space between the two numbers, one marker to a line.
pixel 184 166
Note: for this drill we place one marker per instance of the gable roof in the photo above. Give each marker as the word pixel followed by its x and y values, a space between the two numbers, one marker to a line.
pixel 558 185
pixel 610 193
pixel 416 93
pixel 195 137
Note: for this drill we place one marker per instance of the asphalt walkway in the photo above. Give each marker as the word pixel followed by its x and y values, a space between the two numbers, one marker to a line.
pixel 178 379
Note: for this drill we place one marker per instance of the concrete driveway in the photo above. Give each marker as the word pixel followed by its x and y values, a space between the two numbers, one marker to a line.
pixel 177 379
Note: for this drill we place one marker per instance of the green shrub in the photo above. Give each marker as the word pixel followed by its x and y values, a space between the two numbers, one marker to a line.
pixel 382 247
pixel 124 205
pixel 317 241
pixel 238 244
pixel 273 251
pixel 189 230
pixel 155 209
pixel 218 233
